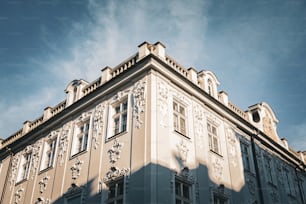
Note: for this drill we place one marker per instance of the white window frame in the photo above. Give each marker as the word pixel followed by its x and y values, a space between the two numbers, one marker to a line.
pixel 46 161
pixel 179 196
pixel 24 167
pixel 79 144
pixel 213 138
pixel 118 111
pixel 179 117
pixel 116 197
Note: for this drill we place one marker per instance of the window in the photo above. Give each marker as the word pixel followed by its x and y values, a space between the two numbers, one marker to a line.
pixel 218 199
pixel 48 154
pixel 182 192
pixel 290 190
pixel 214 144
pixel 179 118
pixel 116 192
pixel 24 167
pixel 81 137
pixel 245 156
pixel 269 169
pixel 210 87
pixel 119 117
pixel 74 200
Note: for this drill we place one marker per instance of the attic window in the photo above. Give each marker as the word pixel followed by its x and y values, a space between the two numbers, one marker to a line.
pixel 255 116
pixel 210 87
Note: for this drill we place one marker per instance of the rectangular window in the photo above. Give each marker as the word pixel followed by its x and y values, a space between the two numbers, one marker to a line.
pixel 25 165
pixel 182 192
pixel 220 199
pixel 214 144
pixel 269 169
pixel 120 117
pixel 179 118
pixel 81 137
pixel 49 154
pixel 245 156
pixel 116 192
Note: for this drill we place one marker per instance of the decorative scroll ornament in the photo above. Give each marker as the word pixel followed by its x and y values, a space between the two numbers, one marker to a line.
pixel 251 186
pixel 199 129
pixel 63 143
pixel 18 195
pixel 76 169
pixel 139 93
pixel 114 152
pixel 41 200
pixel 43 183
pixel 274 195
pixel 217 169
pixel 183 151
pixel 185 173
pixel 232 151
pixel 115 172
pixel 98 124
pixel 15 162
pixel 163 103
pixel 35 157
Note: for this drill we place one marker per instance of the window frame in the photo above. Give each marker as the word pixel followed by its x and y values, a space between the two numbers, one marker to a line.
pixel 181 197
pixel 122 115
pixel 54 141
pixel 178 117
pixel 26 161
pixel 246 156
pixel 77 146
pixel 213 137
pixel 116 197
pixel 269 170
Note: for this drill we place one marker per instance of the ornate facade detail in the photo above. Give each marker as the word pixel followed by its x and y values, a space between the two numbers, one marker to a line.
pixel 98 123
pixel 163 95
pixel 182 151
pixel 84 116
pixel 232 150
pixel 251 186
pixel 185 173
pixel 274 195
pixel 14 170
pixel 35 156
pixel 199 125
pixel 139 93
pixel 76 169
pixel 217 169
pixel 114 152
pixel 42 200
pixel 18 195
pixel 63 143
pixel 43 183
pixel 115 172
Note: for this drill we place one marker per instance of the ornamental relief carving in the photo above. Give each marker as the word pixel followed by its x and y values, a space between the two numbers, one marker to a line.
pixel 114 156
pixel 217 168
pixel 163 95
pixel 15 162
pixel 76 169
pixel 139 93
pixel 43 183
pixel 42 200
pixel 182 152
pixel 251 186
pixel 274 195
pixel 98 124
pixel 18 195
pixel 199 125
pixel 63 142
pixel 232 144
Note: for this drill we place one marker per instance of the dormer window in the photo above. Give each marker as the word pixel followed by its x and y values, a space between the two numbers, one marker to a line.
pixel 210 87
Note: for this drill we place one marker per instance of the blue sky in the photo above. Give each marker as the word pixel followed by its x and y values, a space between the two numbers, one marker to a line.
pixel 257 49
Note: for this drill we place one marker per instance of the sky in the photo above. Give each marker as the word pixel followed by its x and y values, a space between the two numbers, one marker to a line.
pixel 257 49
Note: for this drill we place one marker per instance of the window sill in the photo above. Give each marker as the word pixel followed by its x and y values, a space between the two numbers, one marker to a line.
pixel 78 154
pixel 216 153
pixel 45 170
pixel 116 135
pixel 21 181
pixel 182 134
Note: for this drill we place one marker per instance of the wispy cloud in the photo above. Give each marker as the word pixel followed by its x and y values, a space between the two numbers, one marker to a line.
pixel 297 138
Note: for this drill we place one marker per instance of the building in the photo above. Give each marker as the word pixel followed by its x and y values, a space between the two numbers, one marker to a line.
pixel 151 131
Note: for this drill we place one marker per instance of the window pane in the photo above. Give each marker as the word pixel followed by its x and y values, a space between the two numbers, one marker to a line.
pixel 116 128
pixel 117 109
pixel 186 191
pixel 182 125
pixel 120 189
pixel 112 191
pixel 177 201
pixel 124 106
pixel 120 201
pixel 215 144
pixel 182 110
pixel 177 188
pixel 175 122
pixel 124 121
pixel 175 107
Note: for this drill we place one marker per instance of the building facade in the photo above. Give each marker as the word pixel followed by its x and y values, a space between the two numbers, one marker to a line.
pixel 151 131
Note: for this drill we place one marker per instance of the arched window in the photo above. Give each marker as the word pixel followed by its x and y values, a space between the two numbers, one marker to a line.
pixel 210 87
